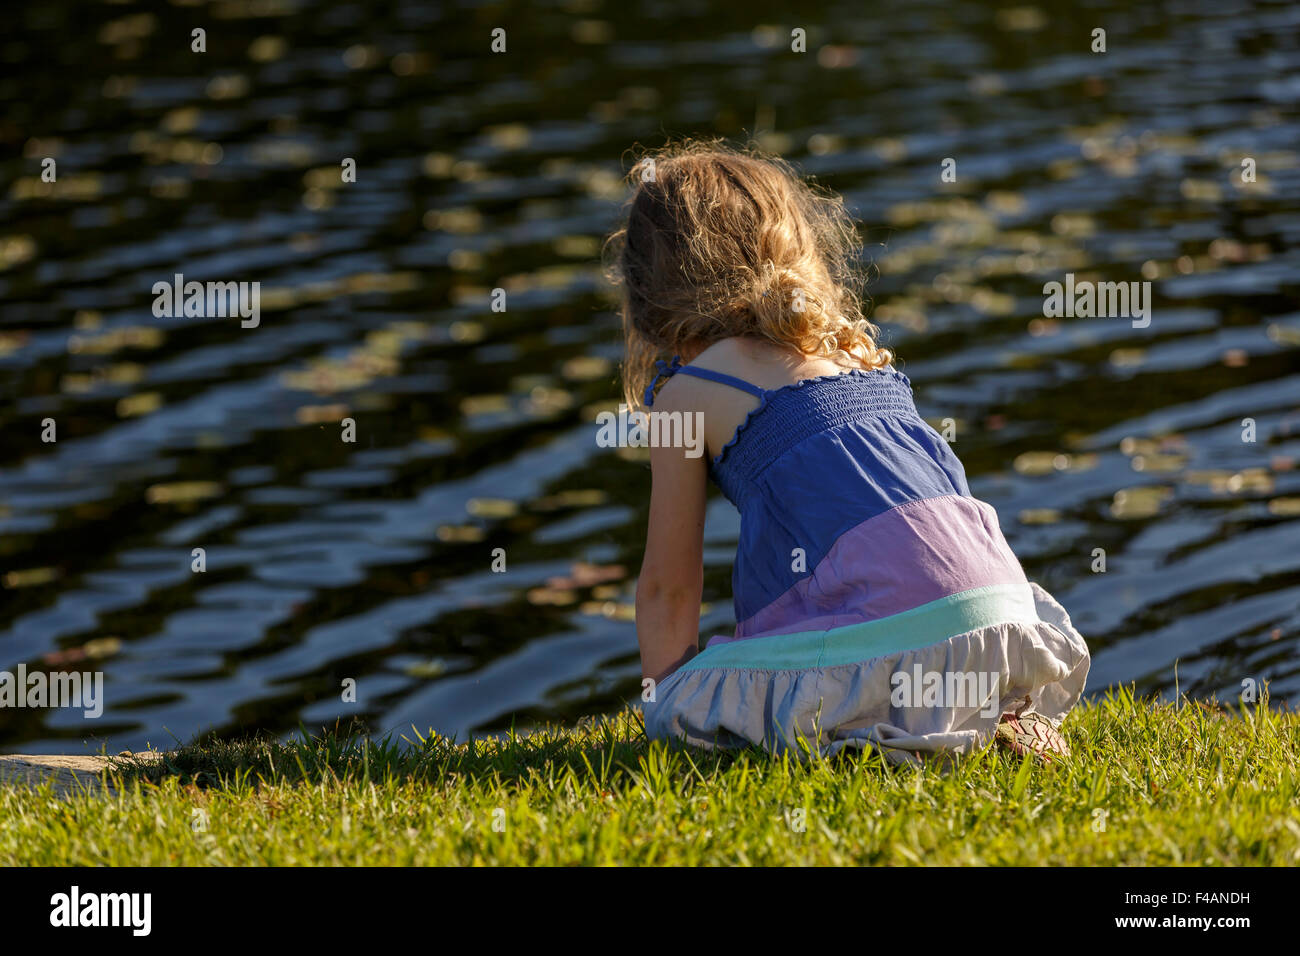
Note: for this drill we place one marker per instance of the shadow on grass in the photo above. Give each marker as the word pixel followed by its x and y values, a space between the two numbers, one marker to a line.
pixel 612 749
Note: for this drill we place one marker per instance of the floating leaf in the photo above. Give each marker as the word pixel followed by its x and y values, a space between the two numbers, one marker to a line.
pixel 552 596
pixel 1236 358
pixel 96 649
pixel 1201 190
pixel 1138 446
pixel 1214 477
pixel 181 491
pixel 571 498
pixel 460 534
pixel 1022 19
pixel 1251 479
pixel 30 578
pixel 1284 334
pixel 1127 357
pixel 584 575
pixel 102 647
pixel 131 336
pixel 426 669
pixel 320 414
pixel 492 507
pixel 614 610
pixel 473 405
pixel 547 401
pixel 1143 502
pixel 1040 462
pixel 1158 462
pixel 584 368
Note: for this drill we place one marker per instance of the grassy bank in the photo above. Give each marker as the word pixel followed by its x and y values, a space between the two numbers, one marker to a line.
pixel 1148 784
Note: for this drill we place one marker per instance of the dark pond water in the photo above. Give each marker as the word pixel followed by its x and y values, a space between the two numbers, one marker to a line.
pixel 371 560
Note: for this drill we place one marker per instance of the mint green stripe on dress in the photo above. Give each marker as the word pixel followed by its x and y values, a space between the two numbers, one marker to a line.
pixel 906 631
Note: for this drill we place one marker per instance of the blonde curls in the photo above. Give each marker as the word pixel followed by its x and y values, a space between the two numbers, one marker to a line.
pixel 719 243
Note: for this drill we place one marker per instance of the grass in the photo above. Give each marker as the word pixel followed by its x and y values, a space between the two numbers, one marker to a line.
pixel 1149 784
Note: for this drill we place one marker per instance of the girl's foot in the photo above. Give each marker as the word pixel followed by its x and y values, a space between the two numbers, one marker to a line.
pixel 1031 733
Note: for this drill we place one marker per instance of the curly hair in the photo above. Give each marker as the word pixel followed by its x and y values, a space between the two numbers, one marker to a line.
pixel 719 242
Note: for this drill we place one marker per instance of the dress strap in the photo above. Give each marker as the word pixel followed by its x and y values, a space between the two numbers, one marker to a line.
pixel 668 371
pixel 723 379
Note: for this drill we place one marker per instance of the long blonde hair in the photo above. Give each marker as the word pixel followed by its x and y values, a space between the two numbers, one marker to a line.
pixel 719 242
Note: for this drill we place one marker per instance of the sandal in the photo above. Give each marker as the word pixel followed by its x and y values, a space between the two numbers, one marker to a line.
pixel 1031 734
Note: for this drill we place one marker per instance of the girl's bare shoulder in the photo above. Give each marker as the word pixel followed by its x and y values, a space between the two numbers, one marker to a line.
pixel 730 356
pixel 737 355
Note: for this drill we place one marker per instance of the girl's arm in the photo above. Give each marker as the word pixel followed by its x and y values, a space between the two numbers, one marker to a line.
pixel 671 583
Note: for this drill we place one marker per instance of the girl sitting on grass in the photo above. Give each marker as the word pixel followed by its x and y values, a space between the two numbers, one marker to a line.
pixel 877 602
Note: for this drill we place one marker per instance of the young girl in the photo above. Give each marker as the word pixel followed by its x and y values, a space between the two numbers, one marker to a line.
pixel 877 601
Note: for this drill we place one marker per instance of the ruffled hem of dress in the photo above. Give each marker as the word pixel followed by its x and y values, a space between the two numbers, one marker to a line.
pixel 1040 666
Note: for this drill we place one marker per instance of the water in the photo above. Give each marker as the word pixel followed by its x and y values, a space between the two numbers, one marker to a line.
pixel 328 561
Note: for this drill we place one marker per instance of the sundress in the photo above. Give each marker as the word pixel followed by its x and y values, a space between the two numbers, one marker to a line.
pixel 878 603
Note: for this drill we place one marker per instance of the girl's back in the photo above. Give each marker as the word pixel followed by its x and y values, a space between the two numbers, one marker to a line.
pixel 759 363
pixel 877 602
